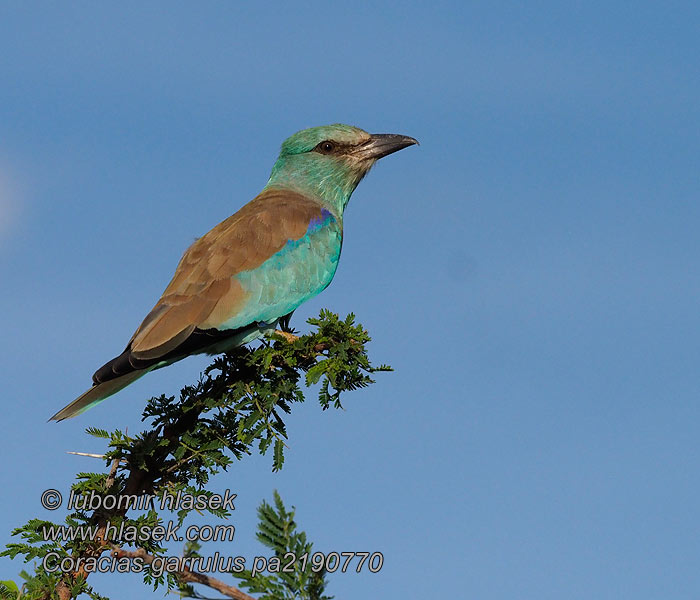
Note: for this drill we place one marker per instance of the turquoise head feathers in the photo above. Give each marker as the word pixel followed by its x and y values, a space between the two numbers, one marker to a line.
pixel 328 162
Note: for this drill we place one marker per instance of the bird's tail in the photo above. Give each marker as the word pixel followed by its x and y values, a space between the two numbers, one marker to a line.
pixel 96 394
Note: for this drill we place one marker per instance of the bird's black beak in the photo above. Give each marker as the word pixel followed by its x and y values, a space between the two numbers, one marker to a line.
pixel 380 145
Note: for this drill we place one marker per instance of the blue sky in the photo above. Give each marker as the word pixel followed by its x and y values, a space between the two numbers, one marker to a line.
pixel 531 271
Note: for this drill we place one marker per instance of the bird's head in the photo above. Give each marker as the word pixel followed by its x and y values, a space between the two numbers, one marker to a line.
pixel 329 161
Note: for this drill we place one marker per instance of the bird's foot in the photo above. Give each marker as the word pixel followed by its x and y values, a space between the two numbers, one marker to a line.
pixel 290 337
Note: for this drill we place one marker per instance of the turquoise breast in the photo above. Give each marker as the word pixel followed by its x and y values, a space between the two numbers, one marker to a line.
pixel 299 271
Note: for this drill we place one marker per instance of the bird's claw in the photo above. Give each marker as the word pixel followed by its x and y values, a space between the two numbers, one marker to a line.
pixel 290 337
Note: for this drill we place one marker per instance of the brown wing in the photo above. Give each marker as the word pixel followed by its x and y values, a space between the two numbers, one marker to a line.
pixel 202 293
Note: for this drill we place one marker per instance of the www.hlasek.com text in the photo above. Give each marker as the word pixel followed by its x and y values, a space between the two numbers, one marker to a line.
pixel 132 533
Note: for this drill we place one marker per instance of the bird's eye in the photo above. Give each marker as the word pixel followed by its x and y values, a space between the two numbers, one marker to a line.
pixel 326 147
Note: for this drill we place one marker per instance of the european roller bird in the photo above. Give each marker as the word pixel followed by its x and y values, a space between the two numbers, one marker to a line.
pixel 238 281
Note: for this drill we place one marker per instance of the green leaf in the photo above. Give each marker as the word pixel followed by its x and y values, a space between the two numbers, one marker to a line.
pixel 9 590
pixel 278 455
pixel 99 433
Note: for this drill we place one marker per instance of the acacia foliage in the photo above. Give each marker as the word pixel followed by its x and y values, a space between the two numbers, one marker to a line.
pixel 237 408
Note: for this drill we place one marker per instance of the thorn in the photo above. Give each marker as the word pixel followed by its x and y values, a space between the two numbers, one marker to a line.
pixel 86 454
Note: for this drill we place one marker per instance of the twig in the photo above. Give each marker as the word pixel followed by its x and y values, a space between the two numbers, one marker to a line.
pixel 185 576
pixel 109 482
pixel 63 591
